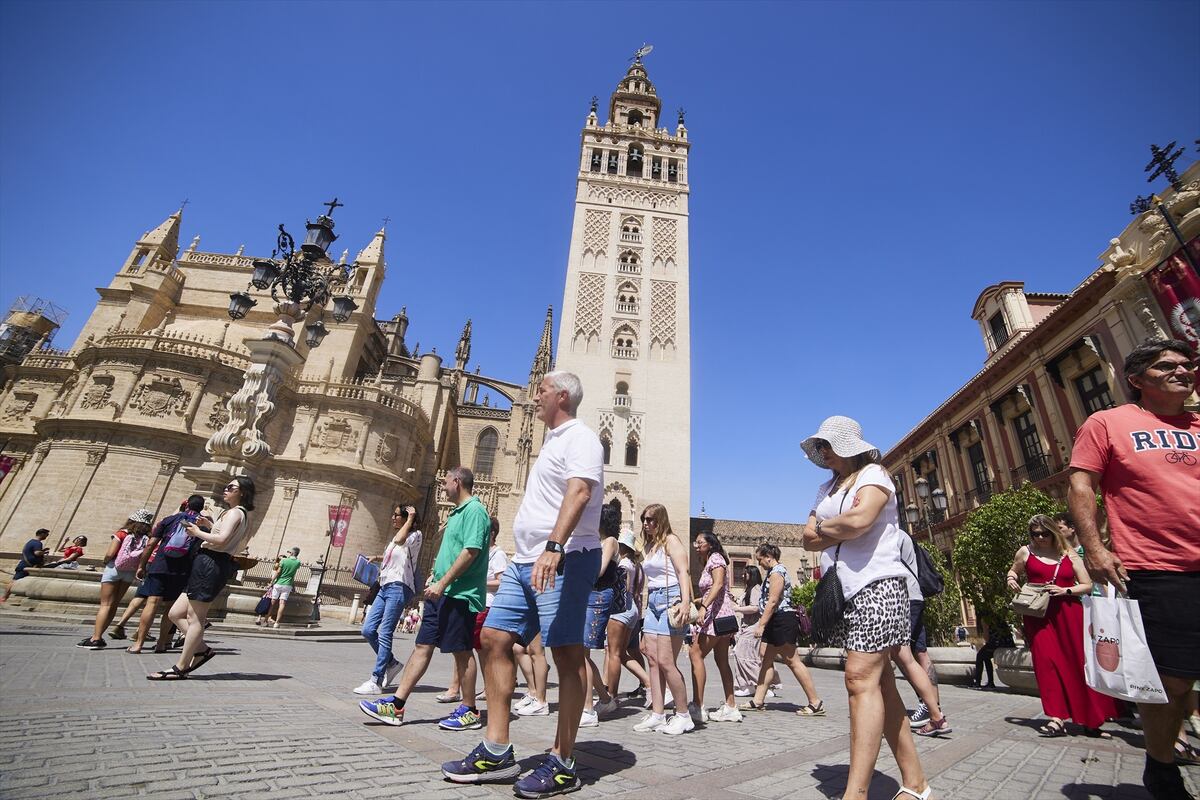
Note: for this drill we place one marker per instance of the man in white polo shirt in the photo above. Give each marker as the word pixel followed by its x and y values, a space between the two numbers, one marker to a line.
pixel 545 589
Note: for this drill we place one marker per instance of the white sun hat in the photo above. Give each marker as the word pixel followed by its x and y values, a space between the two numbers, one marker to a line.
pixel 628 539
pixel 845 439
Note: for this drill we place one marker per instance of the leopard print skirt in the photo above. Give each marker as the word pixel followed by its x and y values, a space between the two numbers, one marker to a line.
pixel 876 618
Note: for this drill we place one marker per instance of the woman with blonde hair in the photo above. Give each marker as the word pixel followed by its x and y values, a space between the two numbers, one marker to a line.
pixel 668 604
pixel 1056 640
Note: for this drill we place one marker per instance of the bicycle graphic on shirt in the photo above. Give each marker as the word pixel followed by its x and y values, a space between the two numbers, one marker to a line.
pixel 1180 457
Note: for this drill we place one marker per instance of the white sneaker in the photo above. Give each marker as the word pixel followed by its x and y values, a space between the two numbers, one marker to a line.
pixel 650 722
pixel 699 714
pixel 679 723
pixel 534 709
pixel 773 692
pixel 743 693
pixel 726 714
pixel 524 701
pixel 391 673
pixel 370 687
pixel 589 719
pixel 606 709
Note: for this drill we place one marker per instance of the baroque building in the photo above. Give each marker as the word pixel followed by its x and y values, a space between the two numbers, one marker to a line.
pixel 1050 361
pixel 121 419
pixel 625 320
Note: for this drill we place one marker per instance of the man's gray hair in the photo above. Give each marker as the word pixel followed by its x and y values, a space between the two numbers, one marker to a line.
pixel 567 382
pixel 465 477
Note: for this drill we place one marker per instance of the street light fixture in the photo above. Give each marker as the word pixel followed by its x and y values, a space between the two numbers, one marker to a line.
pixel 937 498
pixel 300 278
pixel 1162 163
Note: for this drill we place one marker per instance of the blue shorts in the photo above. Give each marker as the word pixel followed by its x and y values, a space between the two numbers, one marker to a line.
pixel 449 623
pixel 595 625
pixel 166 586
pixel 656 620
pixel 559 614
pixel 630 617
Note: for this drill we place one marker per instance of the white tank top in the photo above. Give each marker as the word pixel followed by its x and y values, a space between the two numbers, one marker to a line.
pixel 659 571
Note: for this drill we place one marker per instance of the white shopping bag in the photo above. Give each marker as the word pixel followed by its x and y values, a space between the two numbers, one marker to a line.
pixel 1117 660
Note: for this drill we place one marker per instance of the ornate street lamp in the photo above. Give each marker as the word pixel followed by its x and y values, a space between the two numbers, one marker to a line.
pixel 1162 163
pixel 937 498
pixel 922 488
pixel 300 279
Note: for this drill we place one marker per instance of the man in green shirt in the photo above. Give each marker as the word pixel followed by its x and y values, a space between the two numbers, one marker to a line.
pixel 281 586
pixel 454 595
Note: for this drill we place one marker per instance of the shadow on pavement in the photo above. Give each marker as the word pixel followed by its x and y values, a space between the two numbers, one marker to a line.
pixel 238 676
pixel 1091 791
pixel 832 780
pixel 613 755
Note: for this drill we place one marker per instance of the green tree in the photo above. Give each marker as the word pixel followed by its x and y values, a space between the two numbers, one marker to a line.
pixel 987 541
pixel 943 611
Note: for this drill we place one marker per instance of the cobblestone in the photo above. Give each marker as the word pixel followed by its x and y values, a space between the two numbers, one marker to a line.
pixel 272 718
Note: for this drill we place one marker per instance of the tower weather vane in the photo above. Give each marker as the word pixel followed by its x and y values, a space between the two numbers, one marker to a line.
pixel 642 52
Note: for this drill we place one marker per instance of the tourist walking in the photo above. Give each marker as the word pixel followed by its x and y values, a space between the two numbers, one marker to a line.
pixel 747 649
pixel 623 626
pixel 163 572
pixel 1144 457
pixel 545 589
pixel 717 624
pixel 779 629
pixel 665 621
pixel 1056 640
pixel 212 567
pixel 855 515
pixel 281 587
pixel 397 579
pixel 453 596
pixel 996 635
pixel 497 563
pixel 535 669
pixel 33 554
pixel 71 554
pixel 914 661
pixel 607 597
pixel 120 568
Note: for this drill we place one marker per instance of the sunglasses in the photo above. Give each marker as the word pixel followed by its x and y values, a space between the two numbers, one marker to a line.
pixel 1040 534
pixel 231 487
pixel 1171 366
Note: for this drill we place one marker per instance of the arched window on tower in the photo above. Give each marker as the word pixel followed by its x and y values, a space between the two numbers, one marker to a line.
pixel 606 443
pixel 612 162
pixel 633 162
pixel 631 452
pixel 625 343
pixel 627 298
pixel 629 263
pixel 635 118
pixel 621 399
pixel 631 230
pixel 596 162
pixel 485 452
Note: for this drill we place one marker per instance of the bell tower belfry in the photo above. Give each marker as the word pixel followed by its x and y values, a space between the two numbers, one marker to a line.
pixel 625 320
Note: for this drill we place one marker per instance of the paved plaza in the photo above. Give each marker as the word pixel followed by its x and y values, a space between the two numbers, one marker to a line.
pixel 275 717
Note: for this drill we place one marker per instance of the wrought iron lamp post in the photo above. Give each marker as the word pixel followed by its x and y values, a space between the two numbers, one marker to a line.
pixel 1163 163
pixel 937 497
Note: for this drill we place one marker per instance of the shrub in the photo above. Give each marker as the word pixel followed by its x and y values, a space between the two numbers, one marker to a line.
pixel 803 594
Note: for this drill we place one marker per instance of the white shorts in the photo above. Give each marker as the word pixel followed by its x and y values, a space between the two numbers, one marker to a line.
pixel 281 592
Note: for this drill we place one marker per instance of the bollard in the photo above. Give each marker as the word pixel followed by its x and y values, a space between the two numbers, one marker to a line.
pixel 354 608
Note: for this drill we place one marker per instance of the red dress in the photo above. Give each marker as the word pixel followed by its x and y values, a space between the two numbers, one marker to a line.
pixel 1056 643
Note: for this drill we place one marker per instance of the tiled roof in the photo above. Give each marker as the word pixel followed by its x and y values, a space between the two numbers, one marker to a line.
pixel 739 531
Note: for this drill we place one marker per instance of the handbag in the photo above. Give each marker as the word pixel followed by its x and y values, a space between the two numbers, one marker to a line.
pixel 264 605
pixel 1116 658
pixel 828 603
pixel 1033 599
pixel 723 626
pixel 680 616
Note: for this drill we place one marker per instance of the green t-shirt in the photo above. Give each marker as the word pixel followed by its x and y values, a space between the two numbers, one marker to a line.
pixel 287 571
pixel 469 526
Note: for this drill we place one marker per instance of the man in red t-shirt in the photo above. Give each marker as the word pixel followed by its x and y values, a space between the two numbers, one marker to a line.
pixel 1145 458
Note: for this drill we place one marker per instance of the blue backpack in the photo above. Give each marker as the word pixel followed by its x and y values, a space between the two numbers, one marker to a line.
pixel 177 542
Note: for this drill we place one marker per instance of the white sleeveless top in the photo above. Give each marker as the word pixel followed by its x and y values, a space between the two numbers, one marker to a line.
pixel 659 570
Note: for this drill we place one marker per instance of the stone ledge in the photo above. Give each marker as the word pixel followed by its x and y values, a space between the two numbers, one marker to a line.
pixel 952 665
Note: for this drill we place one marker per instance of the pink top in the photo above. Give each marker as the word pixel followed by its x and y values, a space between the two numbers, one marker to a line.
pixel 723 604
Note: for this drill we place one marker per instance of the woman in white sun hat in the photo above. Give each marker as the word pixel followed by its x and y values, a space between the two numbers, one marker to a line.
pixel 854 516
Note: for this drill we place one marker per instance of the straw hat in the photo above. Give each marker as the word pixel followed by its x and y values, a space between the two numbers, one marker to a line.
pixel 143 515
pixel 845 439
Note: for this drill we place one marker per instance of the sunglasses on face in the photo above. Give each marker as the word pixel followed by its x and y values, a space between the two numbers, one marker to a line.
pixel 1040 534
pixel 1171 366
pixel 231 487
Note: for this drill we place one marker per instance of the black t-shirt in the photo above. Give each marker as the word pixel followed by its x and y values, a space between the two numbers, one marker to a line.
pixel 160 564
pixel 29 553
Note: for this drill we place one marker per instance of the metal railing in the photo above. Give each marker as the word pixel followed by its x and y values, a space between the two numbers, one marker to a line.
pixel 980 495
pixel 338 585
pixel 1033 470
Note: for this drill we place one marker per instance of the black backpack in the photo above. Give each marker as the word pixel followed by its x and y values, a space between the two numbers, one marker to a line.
pixel 928 578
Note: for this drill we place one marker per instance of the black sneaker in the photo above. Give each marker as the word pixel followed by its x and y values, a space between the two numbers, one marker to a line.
pixel 919 717
pixel 548 780
pixel 92 644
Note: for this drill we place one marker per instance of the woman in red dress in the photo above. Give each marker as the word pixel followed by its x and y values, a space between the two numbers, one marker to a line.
pixel 1056 640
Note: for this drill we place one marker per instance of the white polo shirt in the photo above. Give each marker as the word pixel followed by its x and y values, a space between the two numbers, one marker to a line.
pixel 572 450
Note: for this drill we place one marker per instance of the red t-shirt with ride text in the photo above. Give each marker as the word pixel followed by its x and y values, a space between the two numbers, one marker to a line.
pixel 1149 469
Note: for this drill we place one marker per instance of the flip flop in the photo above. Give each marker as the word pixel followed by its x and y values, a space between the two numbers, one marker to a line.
pixel 172 674
pixel 1052 729
pixel 133 652
pixel 1185 753
pixel 200 659
pixel 1096 733
pixel 904 790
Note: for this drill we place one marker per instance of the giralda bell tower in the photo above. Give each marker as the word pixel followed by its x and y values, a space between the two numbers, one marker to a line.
pixel 625 317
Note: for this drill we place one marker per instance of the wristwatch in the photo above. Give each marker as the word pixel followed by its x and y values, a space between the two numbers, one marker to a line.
pixel 554 547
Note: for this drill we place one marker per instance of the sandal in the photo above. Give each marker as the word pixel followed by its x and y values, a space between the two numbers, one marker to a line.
pixel 913 793
pixel 172 674
pixel 1185 753
pixel 445 697
pixel 750 705
pixel 133 652
pixel 812 711
pixel 1052 729
pixel 1096 733
pixel 200 659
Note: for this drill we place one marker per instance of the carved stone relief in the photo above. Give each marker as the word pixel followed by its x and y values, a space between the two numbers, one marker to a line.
pixel 219 414
pixel 19 406
pixel 333 434
pixel 99 393
pixel 160 396
pixel 388 448
pixel 589 305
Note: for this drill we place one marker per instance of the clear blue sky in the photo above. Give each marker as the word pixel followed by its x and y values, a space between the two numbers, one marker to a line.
pixel 860 171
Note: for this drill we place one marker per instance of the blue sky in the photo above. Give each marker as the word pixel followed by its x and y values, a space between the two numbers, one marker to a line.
pixel 860 171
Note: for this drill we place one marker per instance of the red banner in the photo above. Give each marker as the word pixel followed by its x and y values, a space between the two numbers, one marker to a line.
pixel 6 465
pixel 339 524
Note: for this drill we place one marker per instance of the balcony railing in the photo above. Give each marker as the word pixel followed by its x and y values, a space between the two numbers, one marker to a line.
pixel 1033 470
pixel 978 496
pixel 622 401
pixel 630 268
pixel 624 352
pixel 633 238
pixel 627 308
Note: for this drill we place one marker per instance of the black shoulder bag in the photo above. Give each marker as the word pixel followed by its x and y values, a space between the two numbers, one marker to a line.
pixel 829 602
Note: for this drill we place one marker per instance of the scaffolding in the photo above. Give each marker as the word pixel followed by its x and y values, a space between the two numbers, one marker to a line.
pixel 30 321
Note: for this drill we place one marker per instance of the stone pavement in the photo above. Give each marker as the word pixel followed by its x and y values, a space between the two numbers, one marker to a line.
pixel 272 717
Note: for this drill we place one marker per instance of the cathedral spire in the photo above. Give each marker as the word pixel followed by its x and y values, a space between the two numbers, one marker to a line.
pixel 373 252
pixel 165 238
pixel 635 101
pixel 543 360
pixel 462 353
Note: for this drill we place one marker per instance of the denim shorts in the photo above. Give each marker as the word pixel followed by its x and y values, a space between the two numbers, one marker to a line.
pixel 559 614
pixel 656 620
pixel 111 575
pixel 629 617
pixel 595 626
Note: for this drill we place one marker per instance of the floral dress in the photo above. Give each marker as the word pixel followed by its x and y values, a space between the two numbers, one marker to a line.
pixel 723 604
